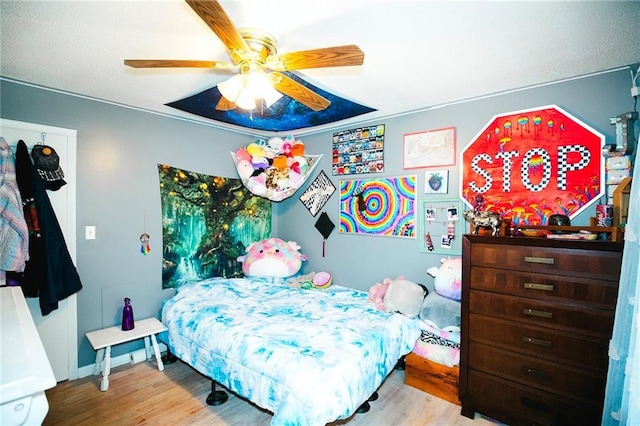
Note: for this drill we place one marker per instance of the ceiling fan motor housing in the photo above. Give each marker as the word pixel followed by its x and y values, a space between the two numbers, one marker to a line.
pixel 261 43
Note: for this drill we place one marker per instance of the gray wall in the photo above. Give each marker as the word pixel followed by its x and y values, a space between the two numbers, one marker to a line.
pixel 119 149
pixel 118 152
pixel 360 261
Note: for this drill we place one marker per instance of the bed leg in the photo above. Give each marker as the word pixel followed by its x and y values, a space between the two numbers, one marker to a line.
pixel 216 397
pixel 169 358
pixel 366 406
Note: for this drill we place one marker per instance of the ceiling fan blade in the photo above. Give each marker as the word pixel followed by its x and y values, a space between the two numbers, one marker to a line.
pixel 298 92
pixel 337 56
pixel 212 13
pixel 176 63
pixel 225 104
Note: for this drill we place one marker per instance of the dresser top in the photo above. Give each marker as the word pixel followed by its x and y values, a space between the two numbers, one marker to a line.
pixel 599 245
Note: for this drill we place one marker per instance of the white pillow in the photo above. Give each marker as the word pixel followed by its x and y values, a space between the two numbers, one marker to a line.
pixel 405 297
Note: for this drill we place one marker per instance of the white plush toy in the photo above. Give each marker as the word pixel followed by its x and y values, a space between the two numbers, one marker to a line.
pixel 448 278
pixel 405 297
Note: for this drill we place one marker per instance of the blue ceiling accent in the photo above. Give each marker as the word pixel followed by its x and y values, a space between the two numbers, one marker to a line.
pixel 284 115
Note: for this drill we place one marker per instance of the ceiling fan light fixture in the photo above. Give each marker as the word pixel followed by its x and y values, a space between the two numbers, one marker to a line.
pixel 259 85
pixel 271 96
pixel 246 100
pixel 231 88
pixel 244 89
pixel 255 51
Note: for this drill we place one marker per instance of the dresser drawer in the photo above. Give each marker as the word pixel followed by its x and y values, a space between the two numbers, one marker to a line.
pixel 553 345
pixel 599 265
pixel 520 405
pixel 548 376
pixel 596 293
pixel 594 322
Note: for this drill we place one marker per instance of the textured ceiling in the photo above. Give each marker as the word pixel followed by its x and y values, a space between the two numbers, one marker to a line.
pixel 418 54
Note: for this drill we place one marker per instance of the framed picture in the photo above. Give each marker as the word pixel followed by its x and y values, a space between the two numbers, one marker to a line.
pixel 430 149
pixel 317 194
pixel 378 206
pixel 436 182
pixel 358 151
pixel 440 230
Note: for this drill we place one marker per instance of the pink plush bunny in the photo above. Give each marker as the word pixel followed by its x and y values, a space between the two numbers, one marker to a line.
pixel 377 292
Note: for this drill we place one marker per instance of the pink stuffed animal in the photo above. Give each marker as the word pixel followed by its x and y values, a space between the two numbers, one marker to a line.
pixel 377 292
pixel 272 257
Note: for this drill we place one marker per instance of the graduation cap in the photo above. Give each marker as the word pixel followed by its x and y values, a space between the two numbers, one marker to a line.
pixel 325 226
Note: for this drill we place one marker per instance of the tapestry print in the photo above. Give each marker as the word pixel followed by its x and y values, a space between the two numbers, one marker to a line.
pixel 529 165
pixel 207 222
pixel 383 207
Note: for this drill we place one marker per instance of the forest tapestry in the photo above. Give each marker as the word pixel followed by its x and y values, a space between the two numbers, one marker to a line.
pixel 207 222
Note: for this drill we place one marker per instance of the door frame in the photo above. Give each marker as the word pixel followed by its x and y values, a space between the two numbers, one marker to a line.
pixel 70 234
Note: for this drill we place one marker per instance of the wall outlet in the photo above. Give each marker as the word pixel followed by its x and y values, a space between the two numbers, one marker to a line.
pixel 90 233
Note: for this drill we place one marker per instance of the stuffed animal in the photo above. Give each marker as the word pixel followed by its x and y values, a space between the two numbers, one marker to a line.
pixel 448 278
pixel 272 257
pixel 377 293
pixel 405 297
pixel 321 279
pixel 440 311
pixel 255 150
pixel 300 281
pixel 312 280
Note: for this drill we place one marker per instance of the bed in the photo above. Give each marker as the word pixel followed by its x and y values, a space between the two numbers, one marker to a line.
pixel 309 356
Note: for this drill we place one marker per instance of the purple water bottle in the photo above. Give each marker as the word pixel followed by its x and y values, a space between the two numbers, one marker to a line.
pixel 127 315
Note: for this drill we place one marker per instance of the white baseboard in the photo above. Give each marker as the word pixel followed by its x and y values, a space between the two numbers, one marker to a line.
pixel 117 361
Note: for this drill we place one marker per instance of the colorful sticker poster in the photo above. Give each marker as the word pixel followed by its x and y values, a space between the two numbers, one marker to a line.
pixel 528 165
pixel 381 207
pixel 317 194
pixel 358 151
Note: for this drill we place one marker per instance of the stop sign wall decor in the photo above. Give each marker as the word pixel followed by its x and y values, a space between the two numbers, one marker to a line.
pixel 528 165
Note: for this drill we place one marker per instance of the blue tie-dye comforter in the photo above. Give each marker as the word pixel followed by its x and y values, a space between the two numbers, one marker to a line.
pixel 308 356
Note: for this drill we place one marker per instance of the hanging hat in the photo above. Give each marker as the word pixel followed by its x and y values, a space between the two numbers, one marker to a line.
pixel 47 163
pixel 325 226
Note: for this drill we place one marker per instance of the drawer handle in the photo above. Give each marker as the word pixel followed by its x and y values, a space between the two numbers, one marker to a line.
pixel 539 406
pixel 536 373
pixel 544 260
pixel 539 314
pixel 539 342
pixel 534 286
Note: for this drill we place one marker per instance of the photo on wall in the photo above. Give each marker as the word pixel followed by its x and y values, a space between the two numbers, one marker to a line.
pixel 440 227
pixel 378 206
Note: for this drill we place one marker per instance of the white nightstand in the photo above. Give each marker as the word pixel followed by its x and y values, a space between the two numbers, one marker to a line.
pixel 102 340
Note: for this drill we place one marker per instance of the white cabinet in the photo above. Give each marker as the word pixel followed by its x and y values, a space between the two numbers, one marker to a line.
pixel 25 372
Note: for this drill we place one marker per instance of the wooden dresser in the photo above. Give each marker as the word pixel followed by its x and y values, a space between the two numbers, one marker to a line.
pixel 537 316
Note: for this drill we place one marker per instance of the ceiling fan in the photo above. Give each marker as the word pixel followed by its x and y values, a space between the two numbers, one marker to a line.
pixel 254 54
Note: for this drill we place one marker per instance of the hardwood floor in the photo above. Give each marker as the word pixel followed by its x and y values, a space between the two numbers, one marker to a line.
pixel 141 395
